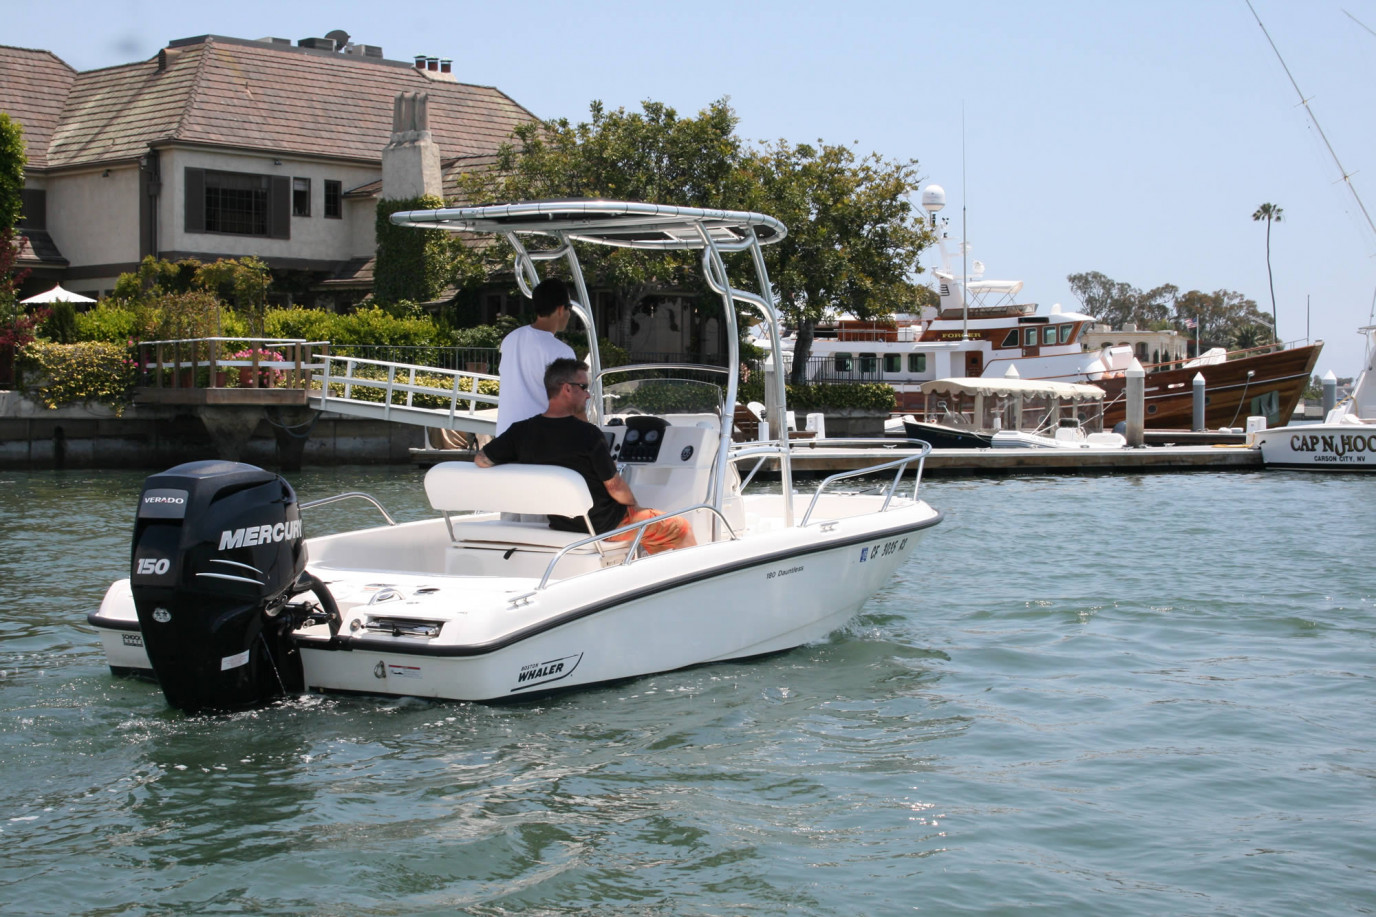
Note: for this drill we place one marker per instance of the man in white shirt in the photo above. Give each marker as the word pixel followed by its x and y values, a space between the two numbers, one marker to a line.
pixel 528 350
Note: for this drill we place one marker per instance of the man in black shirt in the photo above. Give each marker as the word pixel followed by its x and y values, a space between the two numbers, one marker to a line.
pixel 560 437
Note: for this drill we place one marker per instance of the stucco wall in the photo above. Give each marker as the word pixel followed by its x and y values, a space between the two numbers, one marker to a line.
pixel 313 238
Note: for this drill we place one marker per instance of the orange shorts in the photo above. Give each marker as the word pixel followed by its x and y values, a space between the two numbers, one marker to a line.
pixel 659 536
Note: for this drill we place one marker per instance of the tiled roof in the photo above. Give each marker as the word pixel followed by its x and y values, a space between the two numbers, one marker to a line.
pixel 244 94
pixel 37 247
pixel 356 272
pixel 33 88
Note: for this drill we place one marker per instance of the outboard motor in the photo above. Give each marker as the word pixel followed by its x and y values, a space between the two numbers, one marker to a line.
pixel 218 554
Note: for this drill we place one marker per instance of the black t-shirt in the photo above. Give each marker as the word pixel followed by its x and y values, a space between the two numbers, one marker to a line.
pixel 570 443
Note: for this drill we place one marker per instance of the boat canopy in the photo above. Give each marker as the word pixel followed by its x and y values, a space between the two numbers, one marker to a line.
pixel 626 224
pixel 1002 385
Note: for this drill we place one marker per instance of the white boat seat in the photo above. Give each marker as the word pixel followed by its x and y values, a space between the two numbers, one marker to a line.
pixel 454 487
pixel 503 532
pixel 515 488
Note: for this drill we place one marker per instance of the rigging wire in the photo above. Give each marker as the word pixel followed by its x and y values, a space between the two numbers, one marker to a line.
pixel 1346 176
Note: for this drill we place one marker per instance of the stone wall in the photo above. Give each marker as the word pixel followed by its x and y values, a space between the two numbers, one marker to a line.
pixel 159 436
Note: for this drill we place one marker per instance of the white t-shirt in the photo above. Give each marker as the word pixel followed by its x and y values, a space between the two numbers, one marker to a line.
pixel 526 352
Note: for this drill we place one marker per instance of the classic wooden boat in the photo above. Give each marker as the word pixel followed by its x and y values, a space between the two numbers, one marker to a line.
pixel 1255 383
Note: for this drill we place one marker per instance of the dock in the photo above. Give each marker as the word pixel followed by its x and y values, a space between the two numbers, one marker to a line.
pixel 821 459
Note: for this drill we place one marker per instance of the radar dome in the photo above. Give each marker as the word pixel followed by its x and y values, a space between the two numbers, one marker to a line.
pixel 933 198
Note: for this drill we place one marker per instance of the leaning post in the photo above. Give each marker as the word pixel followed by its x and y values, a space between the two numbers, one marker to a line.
pixel 1330 392
pixel 1198 391
pixel 1136 394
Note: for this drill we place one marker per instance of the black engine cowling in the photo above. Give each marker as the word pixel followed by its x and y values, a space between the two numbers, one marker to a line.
pixel 218 554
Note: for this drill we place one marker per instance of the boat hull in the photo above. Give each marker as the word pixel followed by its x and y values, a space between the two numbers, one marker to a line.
pixel 1339 447
pixel 1274 389
pixel 737 599
pixel 941 436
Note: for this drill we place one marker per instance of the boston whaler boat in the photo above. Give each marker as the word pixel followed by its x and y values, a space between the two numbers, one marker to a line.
pixel 228 604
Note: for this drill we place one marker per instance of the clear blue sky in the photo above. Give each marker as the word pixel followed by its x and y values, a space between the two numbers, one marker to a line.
pixel 1129 137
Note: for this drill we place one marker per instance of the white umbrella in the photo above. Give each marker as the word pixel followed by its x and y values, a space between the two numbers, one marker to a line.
pixel 58 294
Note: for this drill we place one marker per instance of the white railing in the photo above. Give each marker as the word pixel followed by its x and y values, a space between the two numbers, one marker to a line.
pixel 401 392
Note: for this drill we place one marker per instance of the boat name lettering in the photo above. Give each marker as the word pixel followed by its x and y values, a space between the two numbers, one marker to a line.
pixel 539 673
pixel 133 639
pixel 784 572
pixel 260 534
pixel 155 499
pixel 1339 446
pixel 882 549
pixel 531 672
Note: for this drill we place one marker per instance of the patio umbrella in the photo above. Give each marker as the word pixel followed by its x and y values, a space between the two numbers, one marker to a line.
pixel 57 294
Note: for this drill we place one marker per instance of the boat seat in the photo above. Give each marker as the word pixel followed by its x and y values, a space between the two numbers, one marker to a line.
pixel 454 487
pixel 527 489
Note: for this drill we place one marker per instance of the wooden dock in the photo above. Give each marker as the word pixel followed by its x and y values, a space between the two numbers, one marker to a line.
pixel 823 459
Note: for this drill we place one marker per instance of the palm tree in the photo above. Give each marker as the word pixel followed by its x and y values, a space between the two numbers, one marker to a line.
pixel 1271 214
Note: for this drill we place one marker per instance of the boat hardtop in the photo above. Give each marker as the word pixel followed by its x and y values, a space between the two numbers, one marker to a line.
pixel 479 602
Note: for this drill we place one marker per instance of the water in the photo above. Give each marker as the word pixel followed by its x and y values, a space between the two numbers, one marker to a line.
pixel 1114 695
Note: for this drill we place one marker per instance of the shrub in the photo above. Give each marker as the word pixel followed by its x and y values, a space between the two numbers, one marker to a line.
pixel 841 396
pixel 91 371
pixel 60 325
pixel 111 321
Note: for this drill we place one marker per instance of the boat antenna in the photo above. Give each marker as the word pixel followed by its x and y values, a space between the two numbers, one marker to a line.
pixel 964 245
pixel 1346 176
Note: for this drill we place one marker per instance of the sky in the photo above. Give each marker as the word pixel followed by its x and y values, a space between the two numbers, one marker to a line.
pixel 1132 138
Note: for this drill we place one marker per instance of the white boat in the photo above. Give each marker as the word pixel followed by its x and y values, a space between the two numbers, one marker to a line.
pixel 227 603
pixel 1011 412
pixel 1344 441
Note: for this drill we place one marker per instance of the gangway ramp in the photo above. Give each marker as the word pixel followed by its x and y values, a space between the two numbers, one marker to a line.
pixel 405 393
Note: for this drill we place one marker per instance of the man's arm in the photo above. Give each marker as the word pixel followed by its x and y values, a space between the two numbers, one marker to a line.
pixel 620 491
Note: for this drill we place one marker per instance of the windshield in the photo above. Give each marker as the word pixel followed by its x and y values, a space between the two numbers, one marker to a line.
pixel 662 397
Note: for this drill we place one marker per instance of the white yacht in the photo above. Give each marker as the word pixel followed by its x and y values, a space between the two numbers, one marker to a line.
pixel 227 603
pixel 1344 441
pixel 981 327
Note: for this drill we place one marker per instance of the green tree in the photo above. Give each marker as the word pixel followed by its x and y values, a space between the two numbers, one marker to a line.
pixel 1271 214
pixel 16 327
pixel 1224 317
pixel 244 281
pixel 12 162
pixel 1116 303
pixel 853 236
pixel 653 155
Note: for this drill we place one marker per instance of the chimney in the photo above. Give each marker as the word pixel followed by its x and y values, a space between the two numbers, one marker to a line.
pixel 445 65
pixel 420 61
pixel 432 63
pixel 411 161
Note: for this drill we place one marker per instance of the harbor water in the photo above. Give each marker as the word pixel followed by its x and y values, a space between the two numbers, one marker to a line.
pixel 1096 695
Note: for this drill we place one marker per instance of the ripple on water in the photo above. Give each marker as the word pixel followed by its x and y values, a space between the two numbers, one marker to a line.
pixel 1098 695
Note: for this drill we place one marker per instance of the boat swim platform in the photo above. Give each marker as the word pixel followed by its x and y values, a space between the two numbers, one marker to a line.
pixel 821 459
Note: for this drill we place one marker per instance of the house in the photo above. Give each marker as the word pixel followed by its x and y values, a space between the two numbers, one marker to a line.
pixel 223 147
pixel 1150 347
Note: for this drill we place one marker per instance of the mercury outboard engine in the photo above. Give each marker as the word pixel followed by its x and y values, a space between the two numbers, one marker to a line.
pixel 218 554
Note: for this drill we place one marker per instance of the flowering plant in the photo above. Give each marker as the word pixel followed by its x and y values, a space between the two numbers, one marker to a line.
pixel 270 376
